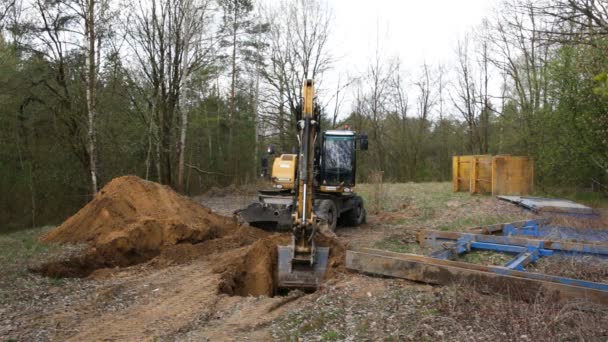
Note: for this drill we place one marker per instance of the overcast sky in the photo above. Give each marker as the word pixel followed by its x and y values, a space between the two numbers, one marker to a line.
pixel 415 31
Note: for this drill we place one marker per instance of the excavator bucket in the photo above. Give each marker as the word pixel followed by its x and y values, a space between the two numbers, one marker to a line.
pixel 266 217
pixel 295 274
pixel 272 212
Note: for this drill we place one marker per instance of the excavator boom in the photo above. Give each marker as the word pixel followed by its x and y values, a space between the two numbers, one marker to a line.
pixel 302 264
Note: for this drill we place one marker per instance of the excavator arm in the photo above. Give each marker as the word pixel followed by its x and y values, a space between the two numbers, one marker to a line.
pixel 302 264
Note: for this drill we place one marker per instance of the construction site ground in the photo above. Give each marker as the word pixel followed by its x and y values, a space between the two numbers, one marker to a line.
pixel 186 292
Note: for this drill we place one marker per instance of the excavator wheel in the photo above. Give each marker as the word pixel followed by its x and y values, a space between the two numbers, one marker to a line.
pixel 328 212
pixel 356 216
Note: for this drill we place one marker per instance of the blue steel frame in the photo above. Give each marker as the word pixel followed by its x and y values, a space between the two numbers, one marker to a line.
pixel 452 244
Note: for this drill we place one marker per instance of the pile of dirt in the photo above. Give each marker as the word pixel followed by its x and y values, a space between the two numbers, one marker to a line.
pixel 137 214
pixel 133 221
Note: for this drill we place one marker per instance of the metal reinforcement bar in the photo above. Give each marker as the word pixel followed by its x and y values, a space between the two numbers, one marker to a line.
pixel 524 285
pixel 435 238
pixel 502 227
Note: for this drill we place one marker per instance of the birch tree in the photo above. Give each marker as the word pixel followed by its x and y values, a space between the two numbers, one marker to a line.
pixel 169 40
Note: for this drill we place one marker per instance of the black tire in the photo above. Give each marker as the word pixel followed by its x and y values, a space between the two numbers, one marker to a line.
pixel 355 216
pixel 328 212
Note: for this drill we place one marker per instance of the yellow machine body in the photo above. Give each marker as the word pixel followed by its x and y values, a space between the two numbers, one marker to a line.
pixel 284 171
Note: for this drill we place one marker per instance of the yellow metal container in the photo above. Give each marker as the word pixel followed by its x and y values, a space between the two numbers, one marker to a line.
pixel 472 173
pixel 499 175
pixel 512 175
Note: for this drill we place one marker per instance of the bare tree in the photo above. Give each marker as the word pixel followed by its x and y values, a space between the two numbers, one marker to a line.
pixel 574 20
pixel 235 25
pixel 169 40
pixel 400 104
pixel 464 96
pixel 89 13
pixel 59 30
pixel 425 104
pixel 521 52
pixel 376 99
pixel 297 50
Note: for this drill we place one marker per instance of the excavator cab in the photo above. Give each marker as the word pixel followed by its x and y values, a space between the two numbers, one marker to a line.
pixel 338 160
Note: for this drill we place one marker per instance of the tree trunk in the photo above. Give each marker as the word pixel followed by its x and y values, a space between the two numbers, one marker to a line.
pixel 183 113
pixel 234 152
pixel 91 94
pixel 182 148
pixel 255 121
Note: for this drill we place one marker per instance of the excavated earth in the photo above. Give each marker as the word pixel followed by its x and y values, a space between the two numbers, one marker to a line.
pixel 132 221
pixel 157 265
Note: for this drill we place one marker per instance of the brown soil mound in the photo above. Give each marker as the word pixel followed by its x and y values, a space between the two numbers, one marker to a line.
pixel 131 221
pixel 131 211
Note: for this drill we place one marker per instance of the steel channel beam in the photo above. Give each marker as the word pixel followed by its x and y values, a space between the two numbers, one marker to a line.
pixel 513 225
pixel 526 285
pixel 432 237
pixel 522 260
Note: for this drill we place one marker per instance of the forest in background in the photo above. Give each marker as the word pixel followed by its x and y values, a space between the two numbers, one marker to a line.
pixel 190 92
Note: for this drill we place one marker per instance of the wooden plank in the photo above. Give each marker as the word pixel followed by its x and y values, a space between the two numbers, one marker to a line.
pixel 444 272
pixel 474 175
pixel 455 166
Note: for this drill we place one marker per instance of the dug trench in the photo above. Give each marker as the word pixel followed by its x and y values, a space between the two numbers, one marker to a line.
pixel 136 222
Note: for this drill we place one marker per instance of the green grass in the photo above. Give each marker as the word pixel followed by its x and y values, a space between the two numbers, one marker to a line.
pixel 23 245
pixel 332 335
pixel 476 221
pixel 592 199
pixel 395 244
pixel 425 196
pixel 430 206
pixel 486 258
pixel 18 250
pixel 432 200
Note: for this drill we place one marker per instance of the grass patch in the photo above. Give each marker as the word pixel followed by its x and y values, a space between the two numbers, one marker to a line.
pixel 332 335
pixel 395 244
pixel 20 247
pixel 20 250
pixel 476 221
pixel 486 258
pixel 423 196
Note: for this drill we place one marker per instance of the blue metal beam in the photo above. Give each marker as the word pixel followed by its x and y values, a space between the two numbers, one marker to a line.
pixel 522 260
pixel 497 247
pixel 432 237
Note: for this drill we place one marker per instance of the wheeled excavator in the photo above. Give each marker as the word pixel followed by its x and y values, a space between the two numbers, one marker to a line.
pixel 311 188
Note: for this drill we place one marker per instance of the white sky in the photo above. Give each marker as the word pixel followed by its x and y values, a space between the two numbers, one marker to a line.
pixel 415 31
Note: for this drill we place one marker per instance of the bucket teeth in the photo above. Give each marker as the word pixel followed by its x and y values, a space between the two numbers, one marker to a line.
pixel 301 275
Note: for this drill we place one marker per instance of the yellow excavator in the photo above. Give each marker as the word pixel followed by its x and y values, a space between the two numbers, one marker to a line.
pixel 310 188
